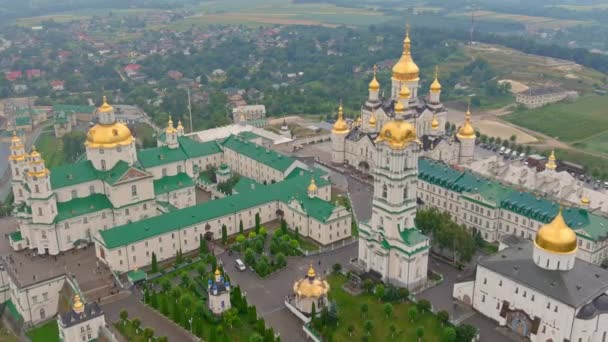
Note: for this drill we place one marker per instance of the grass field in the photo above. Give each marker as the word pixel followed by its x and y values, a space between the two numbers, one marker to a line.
pixel 7 336
pixel 349 311
pixel 596 143
pixel 567 121
pixel 49 332
pixel 51 149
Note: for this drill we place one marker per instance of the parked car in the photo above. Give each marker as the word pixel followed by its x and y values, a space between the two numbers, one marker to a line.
pixel 522 156
pixel 502 150
pixel 606 185
pixel 240 265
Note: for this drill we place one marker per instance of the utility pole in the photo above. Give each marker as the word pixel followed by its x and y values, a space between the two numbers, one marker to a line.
pixel 472 30
pixel 190 109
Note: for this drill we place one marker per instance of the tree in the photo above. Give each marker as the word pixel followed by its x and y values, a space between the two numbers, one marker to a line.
pixel 252 235
pixel 249 257
pixel 163 339
pixel 280 260
pixel 313 312
pixel 202 248
pixel 240 239
pixel 284 226
pixel 412 312
pixel 388 310
pixel 351 329
pixel 337 267
pixel 379 291
pixel 465 332
pixel 423 306
pixel 257 222
pixel 527 149
pixel 420 333
pixel 513 138
pixel 154 299
pixel 364 309
pixel 269 335
pixel 297 237
pixel 404 293
pixel 124 315
pixel 368 325
pixel 136 322
pixel 262 266
pixel 230 317
pixel 263 231
pixel 241 230
pixel 393 329
pixel 73 145
pixel 449 334
pixel 443 317
pixel 224 234
pixel 154 263
pixel 368 285
pixel 213 334
pixel 255 337
pixel 179 257
pixel 148 334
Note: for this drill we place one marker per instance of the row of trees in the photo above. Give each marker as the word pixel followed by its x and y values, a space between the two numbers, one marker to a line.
pixel 446 234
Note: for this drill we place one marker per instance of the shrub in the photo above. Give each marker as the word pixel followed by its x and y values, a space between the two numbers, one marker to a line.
pixel 337 267
pixel 240 239
pixel 252 235
pixel 263 231
pixel 281 260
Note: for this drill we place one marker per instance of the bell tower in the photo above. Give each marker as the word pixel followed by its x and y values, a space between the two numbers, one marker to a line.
pixel 18 164
pixel 42 198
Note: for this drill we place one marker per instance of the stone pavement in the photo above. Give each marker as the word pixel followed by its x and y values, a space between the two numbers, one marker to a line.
pixel 268 295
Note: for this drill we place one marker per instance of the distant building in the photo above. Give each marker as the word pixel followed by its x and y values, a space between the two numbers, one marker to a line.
pixel 132 69
pixel 33 73
pixel 248 113
pixel 541 96
pixel 174 74
pixel 13 75
pixel 57 85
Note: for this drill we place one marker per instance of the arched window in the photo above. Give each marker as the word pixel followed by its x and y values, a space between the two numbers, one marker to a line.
pixel 405 193
pixel 42 314
pixel 39 211
pixel 36 188
pixel 103 164
pixel 384 191
pixel 133 190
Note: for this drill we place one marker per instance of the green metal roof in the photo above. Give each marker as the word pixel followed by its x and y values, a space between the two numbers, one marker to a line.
pixel 82 206
pixel 72 174
pixel 114 174
pixel 156 156
pixel 294 188
pixel 412 236
pixel 16 236
pixel 136 275
pixel 172 183
pixel 23 120
pixel 248 135
pixel 256 152
pixel 195 149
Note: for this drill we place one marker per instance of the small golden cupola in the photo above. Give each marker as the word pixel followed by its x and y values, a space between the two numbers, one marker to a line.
pixel 406 70
pixel 436 86
pixel 170 129
pixel 372 120
pixel 585 201
pixel 374 85
pixel 404 92
pixel 466 131
pixel 340 125
pixel 312 187
pixel 556 237
pixel 435 122
pixel 105 107
pixel 179 125
pixel 310 286
pixel 17 148
pixel 551 165
pixel 78 306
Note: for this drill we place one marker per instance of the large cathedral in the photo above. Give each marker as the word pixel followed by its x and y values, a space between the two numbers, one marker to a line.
pixel 355 144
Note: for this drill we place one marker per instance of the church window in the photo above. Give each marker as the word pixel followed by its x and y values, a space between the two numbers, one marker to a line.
pixel 85 220
pixel 132 248
pixel 20 193
pixel 145 206
pixel 545 329
pixel 500 282
pixel 384 191
pixel 69 238
pixel 485 281
pixel 39 211
pixel 36 188
pixel 127 212
pixel 525 294
pixel 134 258
pixel 179 168
pixel 483 298
pixel 555 310
pixel 103 164
pixel 164 172
pixel 604 337
pixel 101 151
pixel 91 189
pixel 547 263
pixel 557 264
pixel 532 298
pixel 548 305
pixel 119 149
pixel 405 193
pixel 17 172
pixel 103 215
pixel 133 190
pixel 119 252
pixel 516 289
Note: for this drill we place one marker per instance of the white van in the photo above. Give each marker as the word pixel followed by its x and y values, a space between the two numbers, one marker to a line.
pixel 240 265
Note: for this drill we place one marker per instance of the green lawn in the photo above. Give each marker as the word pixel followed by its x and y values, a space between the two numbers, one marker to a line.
pixel 128 331
pixel 349 312
pixel 597 143
pixel 567 121
pixel 7 336
pixel 48 332
pixel 51 149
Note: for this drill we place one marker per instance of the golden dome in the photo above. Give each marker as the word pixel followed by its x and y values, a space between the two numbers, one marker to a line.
pixel 180 127
pixel 313 186
pixel 108 136
pixel 399 107
pixel 434 123
pixel 372 120
pixel 34 152
pixel 374 85
pixel 404 92
pixel 406 69
pixel 78 306
pixel 311 287
pixel 436 86
pixel 550 165
pixel 466 131
pixel 170 129
pixel 217 272
pixel 556 236
pixel 15 137
pixel 585 201
pixel 340 125
pixel 105 107
pixel 398 133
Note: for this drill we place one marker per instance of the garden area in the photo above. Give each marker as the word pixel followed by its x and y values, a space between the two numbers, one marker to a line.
pixel 180 294
pixel 382 313
pixel 48 332
pixel 133 332
pixel 267 252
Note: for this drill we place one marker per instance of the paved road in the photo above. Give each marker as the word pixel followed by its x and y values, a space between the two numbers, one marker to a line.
pixel 268 295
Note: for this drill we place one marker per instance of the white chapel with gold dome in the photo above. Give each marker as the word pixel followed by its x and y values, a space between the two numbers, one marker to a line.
pixel 539 289
pixel 354 144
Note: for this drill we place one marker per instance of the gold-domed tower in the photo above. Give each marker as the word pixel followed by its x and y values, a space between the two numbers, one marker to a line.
pixel 397 133
pixel 466 131
pixel 435 88
pixel 551 165
pixel 555 244
pixel 109 141
pixel 406 70
pixel 339 131
pixel 466 135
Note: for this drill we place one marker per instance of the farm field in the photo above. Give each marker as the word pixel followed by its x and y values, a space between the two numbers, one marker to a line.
pixel 532 22
pixel 582 122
